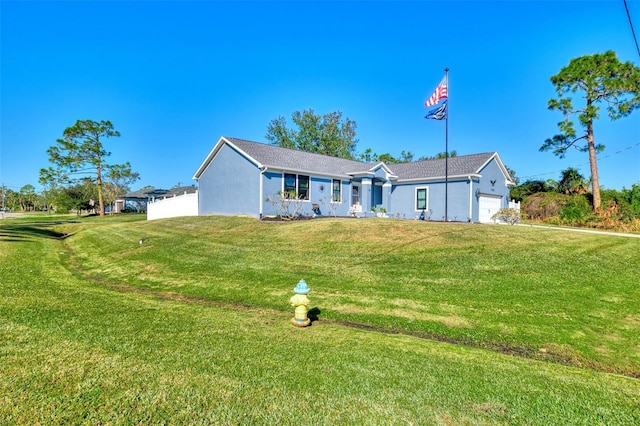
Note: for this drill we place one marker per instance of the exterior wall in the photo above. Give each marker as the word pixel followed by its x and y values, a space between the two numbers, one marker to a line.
pixel 319 193
pixel 272 182
pixel 403 201
pixel 230 185
pixel 491 173
pixel 461 192
pixel 180 205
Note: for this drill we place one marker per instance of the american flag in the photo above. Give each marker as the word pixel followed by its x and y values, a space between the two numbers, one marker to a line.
pixel 439 93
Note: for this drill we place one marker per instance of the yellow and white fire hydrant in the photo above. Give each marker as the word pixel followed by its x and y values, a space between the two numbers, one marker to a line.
pixel 300 303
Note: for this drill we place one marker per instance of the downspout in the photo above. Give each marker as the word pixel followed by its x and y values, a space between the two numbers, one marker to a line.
pixel 470 199
pixel 260 210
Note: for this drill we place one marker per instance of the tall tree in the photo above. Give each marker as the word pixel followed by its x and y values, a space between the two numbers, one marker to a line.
pixel 329 134
pixel 600 78
pixel 81 153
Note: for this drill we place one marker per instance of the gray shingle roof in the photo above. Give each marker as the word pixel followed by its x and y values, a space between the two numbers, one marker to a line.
pixel 275 156
pixel 180 190
pixel 157 192
pixel 290 159
pixel 462 165
pixel 146 193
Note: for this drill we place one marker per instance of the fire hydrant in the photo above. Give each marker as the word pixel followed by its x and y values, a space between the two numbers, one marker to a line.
pixel 300 302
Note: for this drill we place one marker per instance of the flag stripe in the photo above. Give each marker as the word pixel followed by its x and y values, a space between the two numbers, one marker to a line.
pixel 439 93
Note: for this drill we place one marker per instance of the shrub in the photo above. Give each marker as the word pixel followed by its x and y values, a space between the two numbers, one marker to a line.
pixel 616 205
pixel 287 204
pixel 576 211
pixel 510 216
pixel 544 205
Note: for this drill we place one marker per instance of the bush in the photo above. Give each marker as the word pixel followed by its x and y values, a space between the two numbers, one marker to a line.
pixel 616 205
pixel 510 216
pixel 577 211
pixel 544 205
pixel 287 203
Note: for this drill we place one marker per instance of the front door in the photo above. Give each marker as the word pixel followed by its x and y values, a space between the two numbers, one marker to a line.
pixel 355 195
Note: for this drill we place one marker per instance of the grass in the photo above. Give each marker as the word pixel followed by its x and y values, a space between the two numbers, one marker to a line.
pixel 418 324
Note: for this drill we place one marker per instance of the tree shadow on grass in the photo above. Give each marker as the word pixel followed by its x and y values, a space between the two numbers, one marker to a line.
pixel 23 233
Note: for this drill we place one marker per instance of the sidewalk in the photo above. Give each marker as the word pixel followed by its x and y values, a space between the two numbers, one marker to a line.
pixel 587 231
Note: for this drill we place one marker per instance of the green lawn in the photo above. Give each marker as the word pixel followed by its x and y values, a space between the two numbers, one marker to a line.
pixel 418 323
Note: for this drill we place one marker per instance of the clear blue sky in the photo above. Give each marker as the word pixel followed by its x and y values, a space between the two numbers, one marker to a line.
pixel 175 76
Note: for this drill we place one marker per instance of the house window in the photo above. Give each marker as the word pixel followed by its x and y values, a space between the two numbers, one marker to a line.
pixel 289 183
pixel 336 191
pixel 303 187
pixel 421 198
pixel 297 184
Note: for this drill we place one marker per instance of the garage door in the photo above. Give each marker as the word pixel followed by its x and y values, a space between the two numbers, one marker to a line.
pixel 488 207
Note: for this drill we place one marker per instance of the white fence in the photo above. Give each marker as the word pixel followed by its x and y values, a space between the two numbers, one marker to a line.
pixel 176 206
pixel 514 205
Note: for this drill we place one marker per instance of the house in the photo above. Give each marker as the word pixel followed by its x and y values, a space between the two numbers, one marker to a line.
pixel 238 176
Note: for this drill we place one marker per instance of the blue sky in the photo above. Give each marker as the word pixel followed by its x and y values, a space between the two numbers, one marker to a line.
pixel 175 76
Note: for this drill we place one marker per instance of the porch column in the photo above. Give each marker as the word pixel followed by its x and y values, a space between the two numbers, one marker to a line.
pixel 386 196
pixel 367 196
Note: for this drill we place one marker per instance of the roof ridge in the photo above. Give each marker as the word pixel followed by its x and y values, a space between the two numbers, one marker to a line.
pixel 231 139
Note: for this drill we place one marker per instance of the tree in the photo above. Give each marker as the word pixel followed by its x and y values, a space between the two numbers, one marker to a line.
pixel 512 175
pixel 633 197
pixel 27 197
pixel 78 197
pixel 80 153
pixel 328 135
pixel 530 187
pixel 441 155
pixel 11 199
pixel 369 156
pixel 572 182
pixel 119 178
pixel 601 78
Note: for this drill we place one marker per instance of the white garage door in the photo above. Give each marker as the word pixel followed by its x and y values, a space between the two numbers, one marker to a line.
pixel 488 207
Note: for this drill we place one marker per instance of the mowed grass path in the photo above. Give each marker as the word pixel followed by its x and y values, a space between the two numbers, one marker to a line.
pixel 192 326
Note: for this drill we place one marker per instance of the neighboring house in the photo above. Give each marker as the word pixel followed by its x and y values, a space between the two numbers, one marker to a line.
pixel 137 200
pixel 238 176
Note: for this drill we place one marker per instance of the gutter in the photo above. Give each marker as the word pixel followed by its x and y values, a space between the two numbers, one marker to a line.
pixel 438 178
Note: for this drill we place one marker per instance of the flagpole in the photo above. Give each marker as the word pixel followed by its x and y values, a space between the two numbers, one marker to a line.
pixel 446 155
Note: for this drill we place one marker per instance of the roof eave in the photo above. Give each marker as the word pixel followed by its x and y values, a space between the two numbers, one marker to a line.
pixel 501 166
pixel 217 147
pixel 438 178
pixel 266 167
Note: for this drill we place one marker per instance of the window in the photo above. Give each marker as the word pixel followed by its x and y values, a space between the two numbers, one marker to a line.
pixel 297 184
pixel 303 187
pixel 421 198
pixel 336 191
pixel 289 183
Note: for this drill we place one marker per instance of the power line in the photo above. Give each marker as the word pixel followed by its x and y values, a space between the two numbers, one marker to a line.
pixel 621 151
pixel 633 33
